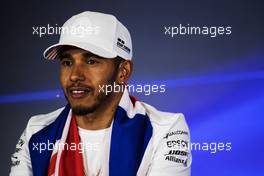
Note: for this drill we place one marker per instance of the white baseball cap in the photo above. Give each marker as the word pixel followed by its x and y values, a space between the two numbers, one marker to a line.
pixel 99 33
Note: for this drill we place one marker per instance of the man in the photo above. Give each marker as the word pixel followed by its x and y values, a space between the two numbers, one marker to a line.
pixel 100 133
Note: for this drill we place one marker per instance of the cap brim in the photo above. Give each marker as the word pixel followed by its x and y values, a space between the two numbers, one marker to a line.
pixel 51 52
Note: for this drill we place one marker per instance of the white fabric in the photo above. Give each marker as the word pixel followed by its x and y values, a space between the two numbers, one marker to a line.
pixel 95 148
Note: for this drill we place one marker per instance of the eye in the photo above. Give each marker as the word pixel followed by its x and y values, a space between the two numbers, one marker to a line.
pixel 91 60
pixel 66 62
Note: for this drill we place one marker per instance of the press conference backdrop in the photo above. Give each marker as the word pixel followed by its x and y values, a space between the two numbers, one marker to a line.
pixel 215 79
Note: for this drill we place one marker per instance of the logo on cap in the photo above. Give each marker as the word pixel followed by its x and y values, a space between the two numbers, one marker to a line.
pixel 121 44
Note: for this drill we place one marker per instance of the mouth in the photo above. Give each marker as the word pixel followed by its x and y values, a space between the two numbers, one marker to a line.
pixel 79 92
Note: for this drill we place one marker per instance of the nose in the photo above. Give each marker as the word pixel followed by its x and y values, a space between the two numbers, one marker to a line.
pixel 77 74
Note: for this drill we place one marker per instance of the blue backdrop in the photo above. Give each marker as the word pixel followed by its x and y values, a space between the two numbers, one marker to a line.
pixel 216 82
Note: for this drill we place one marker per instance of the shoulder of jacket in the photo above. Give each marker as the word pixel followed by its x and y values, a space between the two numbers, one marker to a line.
pixel 38 122
pixel 162 118
pixel 165 123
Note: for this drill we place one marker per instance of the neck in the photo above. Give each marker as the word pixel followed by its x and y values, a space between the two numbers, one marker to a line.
pixel 102 117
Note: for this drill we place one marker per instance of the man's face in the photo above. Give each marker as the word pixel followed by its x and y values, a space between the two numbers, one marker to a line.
pixel 81 75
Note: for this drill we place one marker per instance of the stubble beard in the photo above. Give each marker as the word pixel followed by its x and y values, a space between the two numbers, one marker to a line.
pixel 81 110
pixel 102 97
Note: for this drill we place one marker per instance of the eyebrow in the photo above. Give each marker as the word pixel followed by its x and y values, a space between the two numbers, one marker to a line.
pixel 64 55
pixel 86 55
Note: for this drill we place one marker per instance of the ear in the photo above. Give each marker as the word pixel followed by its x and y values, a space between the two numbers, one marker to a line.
pixel 125 70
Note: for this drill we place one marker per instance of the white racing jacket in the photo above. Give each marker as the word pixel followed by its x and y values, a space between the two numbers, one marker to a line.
pixel 165 150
